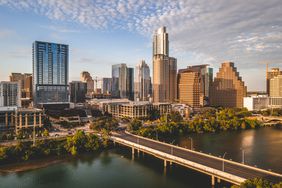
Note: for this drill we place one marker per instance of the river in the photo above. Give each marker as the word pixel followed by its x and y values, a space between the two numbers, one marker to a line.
pixel 115 168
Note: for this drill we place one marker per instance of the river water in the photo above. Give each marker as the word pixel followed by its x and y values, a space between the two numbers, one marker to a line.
pixel 116 168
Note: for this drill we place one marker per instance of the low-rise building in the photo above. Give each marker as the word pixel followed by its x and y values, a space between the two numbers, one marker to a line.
pixel 262 102
pixel 17 118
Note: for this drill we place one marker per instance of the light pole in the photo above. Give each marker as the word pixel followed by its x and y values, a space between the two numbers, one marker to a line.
pixel 171 149
pixel 191 143
pixel 223 161
pixel 243 155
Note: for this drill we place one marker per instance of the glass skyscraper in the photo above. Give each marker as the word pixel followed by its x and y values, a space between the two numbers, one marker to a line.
pixel 50 72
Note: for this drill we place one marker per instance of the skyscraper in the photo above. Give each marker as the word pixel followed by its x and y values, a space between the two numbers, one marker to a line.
pixel 142 82
pixel 106 85
pixel 78 91
pixel 205 79
pixel 269 75
pixel 50 72
pixel 87 78
pixel 10 94
pixel 122 81
pixel 164 69
pixel 228 89
pixel 25 81
pixel 275 86
pixel 189 86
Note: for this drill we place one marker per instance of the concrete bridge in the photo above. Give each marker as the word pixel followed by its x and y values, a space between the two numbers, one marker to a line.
pixel 216 167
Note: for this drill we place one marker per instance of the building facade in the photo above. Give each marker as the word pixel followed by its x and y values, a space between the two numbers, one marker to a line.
pixel 269 75
pixel 10 94
pixel 50 72
pixel 164 69
pixel 189 88
pixel 122 81
pixel 142 82
pixel 228 89
pixel 106 86
pixel 87 78
pixel 78 91
pixel 275 86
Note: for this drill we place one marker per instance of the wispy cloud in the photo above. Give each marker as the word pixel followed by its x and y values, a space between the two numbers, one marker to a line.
pixel 60 29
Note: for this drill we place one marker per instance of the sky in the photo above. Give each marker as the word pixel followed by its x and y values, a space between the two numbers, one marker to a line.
pixel 101 33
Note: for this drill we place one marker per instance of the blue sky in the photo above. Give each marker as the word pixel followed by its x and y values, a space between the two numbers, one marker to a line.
pixel 101 33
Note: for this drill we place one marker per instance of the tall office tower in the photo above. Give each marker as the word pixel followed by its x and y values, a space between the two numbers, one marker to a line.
pixel 106 85
pixel 189 87
pixel 164 69
pixel 142 82
pixel 206 78
pixel 122 81
pixel 269 75
pixel 10 94
pixel 172 79
pixel 160 42
pixel 25 81
pixel 275 86
pixel 228 89
pixel 50 72
pixel 86 77
pixel 78 91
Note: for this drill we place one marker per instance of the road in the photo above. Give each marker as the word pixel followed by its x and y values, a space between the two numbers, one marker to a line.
pixel 215 163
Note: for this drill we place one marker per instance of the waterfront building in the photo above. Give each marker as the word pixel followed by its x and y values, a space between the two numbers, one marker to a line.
pixel 142 82
pixel 50 72
pixel 10 94
pixel 269 75
pixel 122 81
pixel 164 69
pixel 78 91
pixel 275 87
pixel 262 102
pixel 87 78
pixel 228 89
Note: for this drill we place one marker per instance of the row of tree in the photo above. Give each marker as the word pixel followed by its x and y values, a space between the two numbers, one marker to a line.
pixel 211 120
pixel 258 183
pixel 76 144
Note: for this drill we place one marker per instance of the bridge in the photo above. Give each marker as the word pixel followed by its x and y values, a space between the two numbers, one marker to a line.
pixel 216 167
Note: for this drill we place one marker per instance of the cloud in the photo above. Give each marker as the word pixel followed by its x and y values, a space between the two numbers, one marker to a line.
pixel 243 31
pixel 60 29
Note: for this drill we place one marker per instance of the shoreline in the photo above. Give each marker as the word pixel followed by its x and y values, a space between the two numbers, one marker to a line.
pixel 30 165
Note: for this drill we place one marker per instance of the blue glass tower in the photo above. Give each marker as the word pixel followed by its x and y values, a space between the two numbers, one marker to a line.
pixel 50 72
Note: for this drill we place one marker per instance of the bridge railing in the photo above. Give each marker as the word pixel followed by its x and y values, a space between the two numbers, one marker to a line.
pixel 211 156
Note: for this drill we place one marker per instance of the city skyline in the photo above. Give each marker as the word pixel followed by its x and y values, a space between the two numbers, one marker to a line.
pixel 245 33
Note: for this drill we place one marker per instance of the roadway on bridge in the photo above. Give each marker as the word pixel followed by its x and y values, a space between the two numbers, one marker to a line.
pixel 215 163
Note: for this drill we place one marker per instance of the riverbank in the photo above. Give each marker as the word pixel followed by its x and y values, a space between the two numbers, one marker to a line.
pixel 30 165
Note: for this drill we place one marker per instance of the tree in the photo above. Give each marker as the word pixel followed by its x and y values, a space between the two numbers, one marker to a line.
pixel 3 153
pixel 76 143
pixel 153 114
pixel 45 133
pixel 92 143
pixel 175 117
pixel 135 125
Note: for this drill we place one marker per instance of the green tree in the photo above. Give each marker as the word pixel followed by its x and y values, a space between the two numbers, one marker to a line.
pixel 135 125
pixel 45 133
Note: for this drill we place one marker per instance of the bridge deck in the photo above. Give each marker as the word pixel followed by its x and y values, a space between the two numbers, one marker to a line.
pixel 216 163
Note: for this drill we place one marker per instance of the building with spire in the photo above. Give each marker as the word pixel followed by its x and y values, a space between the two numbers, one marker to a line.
pixel 164 69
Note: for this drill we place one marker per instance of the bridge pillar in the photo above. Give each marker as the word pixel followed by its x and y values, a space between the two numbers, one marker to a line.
pixel 218 180
pixel 165 163
pixel 170 163
pixel 132 152
pixel 212 181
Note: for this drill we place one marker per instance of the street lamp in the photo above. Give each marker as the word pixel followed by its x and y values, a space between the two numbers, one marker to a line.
pixel 191 143
pixel 243 155
pixel 223 161
pixel 171 149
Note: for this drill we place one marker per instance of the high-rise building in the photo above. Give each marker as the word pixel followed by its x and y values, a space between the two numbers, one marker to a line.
pixel 10 94
pixel 142 82
pixel 25 81
pixel 189 88
pixel 78 91
pixel 122 81
pixel 87 78
pixel 50 72
pixel 164 69
pixel 205 79
pixel 160 42
pixel 228 89
pixel 269 75
pixel 106 85
pixel 275 86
